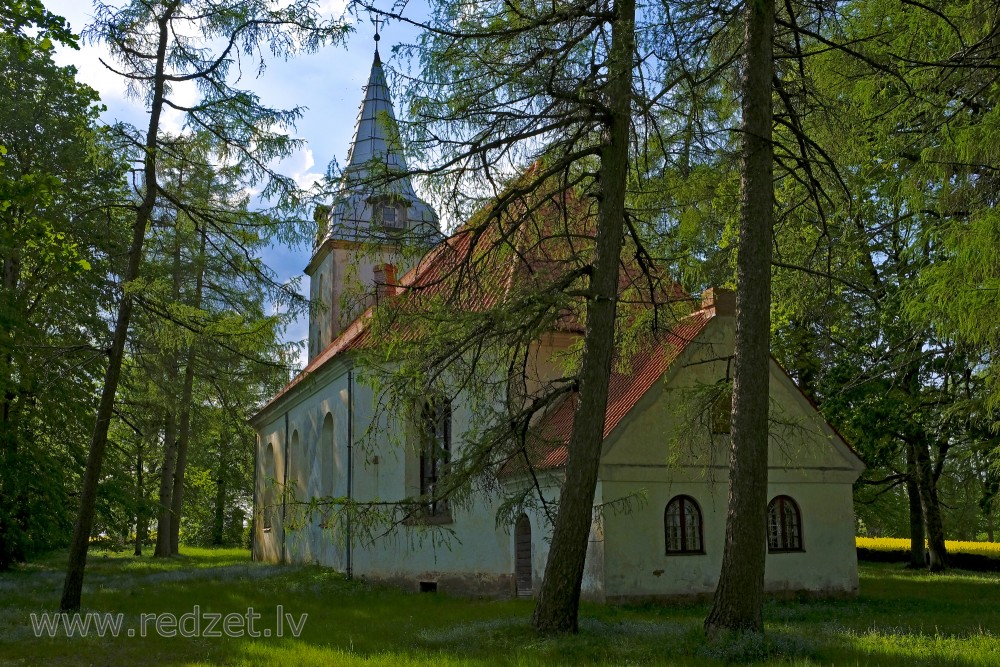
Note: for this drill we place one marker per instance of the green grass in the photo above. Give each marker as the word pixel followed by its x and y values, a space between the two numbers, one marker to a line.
pixel 900 618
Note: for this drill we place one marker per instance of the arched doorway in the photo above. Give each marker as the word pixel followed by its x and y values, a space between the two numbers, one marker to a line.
pixel 522 556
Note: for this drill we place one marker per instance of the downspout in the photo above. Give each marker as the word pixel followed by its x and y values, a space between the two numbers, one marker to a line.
pixel 284 486
pixel 350 468
pixel 255 513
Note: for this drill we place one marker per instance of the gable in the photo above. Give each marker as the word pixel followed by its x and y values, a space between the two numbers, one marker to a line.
pixel 671 424
pixel 629 382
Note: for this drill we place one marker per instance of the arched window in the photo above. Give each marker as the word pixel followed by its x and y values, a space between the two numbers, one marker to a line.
pixel 682 526
pixel 327 456
pixel 435 450
pixel 267 496
pixel 722 413
pixel 294 468
pixel 784 525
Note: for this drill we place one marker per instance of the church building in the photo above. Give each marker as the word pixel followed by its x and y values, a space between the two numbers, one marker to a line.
pixel 669 540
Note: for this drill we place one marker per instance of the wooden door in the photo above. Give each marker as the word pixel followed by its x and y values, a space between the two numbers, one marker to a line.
pixel 522 556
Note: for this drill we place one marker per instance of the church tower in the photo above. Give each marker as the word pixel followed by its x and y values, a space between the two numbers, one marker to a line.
pixel 375 213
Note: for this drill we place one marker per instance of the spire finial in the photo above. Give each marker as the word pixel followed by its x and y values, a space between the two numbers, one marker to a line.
pixel 377 21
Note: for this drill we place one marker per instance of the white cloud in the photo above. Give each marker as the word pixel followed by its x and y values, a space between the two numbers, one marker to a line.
pixel 299 167
pixel 333 8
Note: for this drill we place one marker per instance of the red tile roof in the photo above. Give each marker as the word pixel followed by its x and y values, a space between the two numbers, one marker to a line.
pixel 527 246
pixel 627 386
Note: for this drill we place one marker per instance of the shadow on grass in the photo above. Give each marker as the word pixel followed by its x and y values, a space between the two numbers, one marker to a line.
pixel 899 619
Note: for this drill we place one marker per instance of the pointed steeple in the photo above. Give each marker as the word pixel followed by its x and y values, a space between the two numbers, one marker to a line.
pixel 374 214
pixel 375 132
pixel 367 190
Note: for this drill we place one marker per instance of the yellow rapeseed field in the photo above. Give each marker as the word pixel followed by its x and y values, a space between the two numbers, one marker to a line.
pixel 991 549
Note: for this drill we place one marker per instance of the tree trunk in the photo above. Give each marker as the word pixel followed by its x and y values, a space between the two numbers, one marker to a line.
pixel 170 435
pixel 177 497
pixel 558 604
pixel 177 479
pixel 218 527
pixel 738 600
pixel 141 521
pixel 930 506
pixel 166 485
pixel 917 560
pixel 73 586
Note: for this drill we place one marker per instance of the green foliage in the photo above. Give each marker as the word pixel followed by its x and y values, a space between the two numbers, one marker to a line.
pixel 202 303
pixel 34 26
pixel 867 290
pixel 60 184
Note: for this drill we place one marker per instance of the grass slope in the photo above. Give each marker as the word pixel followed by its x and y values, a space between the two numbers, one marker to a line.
pixel 900 618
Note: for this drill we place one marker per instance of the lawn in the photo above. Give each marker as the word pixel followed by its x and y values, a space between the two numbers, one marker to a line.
pixel 900 618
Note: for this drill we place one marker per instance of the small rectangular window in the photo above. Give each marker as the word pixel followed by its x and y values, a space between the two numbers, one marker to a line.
pixel 389 216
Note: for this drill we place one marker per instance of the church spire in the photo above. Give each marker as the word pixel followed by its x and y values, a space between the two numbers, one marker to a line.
pixel 376 135
pixel 376 226
pixel 367 186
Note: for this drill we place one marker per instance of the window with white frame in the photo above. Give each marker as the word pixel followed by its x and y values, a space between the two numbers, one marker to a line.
pixel 682 526
pixel 784 525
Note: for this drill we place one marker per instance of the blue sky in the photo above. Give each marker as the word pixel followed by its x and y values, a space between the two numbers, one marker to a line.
pixel 328 84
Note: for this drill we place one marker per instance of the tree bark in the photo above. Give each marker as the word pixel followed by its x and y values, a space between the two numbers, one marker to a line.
pixel 141 521
pixel 177 497
pixel 170 433
pixel 557 609
pixel 166 483
pixel 8 430
pixel 738 600
pixel 73 585
pixel 917 560
pixel 177 478
pixel 930 506
pixel 218 526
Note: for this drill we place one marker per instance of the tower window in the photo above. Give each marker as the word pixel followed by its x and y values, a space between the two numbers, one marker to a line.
pixel 394 216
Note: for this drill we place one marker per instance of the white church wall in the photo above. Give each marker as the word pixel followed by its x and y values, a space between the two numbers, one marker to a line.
pixel 656 453
pixel 470 553
pixel 306 536
pixel 637 564
pixel 665 447
pixel 635 549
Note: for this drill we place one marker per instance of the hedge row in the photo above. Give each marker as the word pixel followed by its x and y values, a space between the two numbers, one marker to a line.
pixel 977 556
